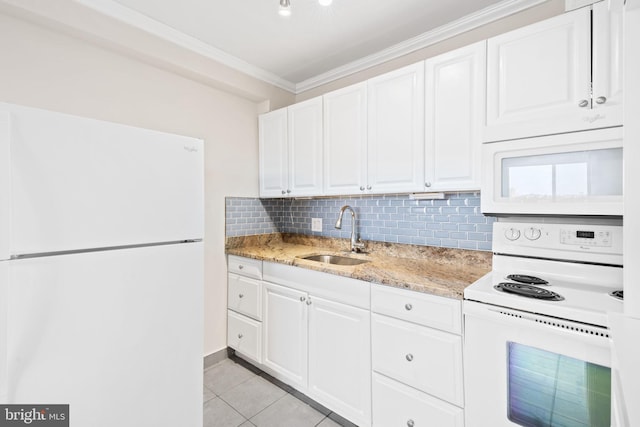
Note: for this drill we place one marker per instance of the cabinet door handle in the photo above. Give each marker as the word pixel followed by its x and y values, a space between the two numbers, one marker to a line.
pixel 583 103
pixel 408 306
pixel 601 100
pixel 288 191
pixel 302 299
pixel 240 295
pixel 240 336
pixel 427 184
pixel 309 301
pixel 361 188
pixel 368 187
pixel 240 267
pixel 409 357
pixel 284 192
pixel 410 423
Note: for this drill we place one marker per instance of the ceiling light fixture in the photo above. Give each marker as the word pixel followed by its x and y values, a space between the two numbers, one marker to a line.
pixel 285 8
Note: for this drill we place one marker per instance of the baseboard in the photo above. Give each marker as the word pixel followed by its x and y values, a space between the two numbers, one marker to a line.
pixel 216 357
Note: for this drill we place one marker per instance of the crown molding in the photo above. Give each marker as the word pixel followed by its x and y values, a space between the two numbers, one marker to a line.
pixel 128 17
pixel 467 23
pixel 136 19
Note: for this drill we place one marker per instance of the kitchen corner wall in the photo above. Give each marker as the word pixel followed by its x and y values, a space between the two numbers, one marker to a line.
pixel 454 222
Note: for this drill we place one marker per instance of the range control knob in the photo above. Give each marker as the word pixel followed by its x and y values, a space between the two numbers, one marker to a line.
pixel 532 233
pixel 512 233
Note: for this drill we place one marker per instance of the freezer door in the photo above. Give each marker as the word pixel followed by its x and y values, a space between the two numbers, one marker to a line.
pixel 79 183
pixel 115 334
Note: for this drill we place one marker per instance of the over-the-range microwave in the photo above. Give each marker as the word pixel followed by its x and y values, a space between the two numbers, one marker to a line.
pixel 578 173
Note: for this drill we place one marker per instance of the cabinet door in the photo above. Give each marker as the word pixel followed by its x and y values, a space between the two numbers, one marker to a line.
pixel 339 358
pixel 539 78
pixel 396 131
pixel 273 153
pixel 285 334
pixel 345 140
pixel 607 63
pixel 305 148
pixel 454 107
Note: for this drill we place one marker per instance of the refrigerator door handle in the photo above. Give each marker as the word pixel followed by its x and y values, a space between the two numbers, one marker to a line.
pixel 5 184
pixel 4 317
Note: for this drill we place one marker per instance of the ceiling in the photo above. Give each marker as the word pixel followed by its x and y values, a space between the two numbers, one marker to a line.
pixel 315 45
pixel 312 41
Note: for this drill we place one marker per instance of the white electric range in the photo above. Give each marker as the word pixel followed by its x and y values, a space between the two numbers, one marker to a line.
pixel 536 331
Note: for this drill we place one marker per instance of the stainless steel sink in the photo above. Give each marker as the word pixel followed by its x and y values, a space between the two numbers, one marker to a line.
pixel 335 259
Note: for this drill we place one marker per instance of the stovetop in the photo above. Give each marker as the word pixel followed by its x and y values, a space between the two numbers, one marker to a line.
pixel 576 288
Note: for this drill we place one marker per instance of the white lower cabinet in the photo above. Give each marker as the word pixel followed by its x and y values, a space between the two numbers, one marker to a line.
pixel 285 334
pixel 339 358
pixel 244 335
pixel 244 307
pixel 399 405
pixel 416 353
pixel 317 337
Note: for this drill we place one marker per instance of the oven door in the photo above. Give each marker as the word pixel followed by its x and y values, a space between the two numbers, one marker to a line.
pixel 523 369
pixel 576 173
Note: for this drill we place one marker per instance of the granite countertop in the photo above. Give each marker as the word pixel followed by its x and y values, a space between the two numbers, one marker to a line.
pixel 434 270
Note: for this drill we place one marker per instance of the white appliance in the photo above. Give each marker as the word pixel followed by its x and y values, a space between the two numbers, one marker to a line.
pixel 101 269
pixel 577 173
pixel 543 358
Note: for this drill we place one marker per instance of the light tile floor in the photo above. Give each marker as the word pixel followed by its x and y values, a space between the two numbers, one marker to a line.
pixel 238 394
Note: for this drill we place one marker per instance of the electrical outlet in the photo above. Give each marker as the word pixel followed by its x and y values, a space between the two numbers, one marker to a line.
pixel 316 224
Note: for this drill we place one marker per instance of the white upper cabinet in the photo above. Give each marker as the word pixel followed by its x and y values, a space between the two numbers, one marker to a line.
pixel 396 131
pixel 607 63
pixel 291 150
pixel 305 148
pixel 539 77
pixel 273 153
pixel 454 114
pixel 345 140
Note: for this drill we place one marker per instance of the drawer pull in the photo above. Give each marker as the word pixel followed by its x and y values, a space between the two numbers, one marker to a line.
pixel 409 357
pixel 308 302
pixel 240 267
pixel 408 306
pixel 302 299
pixel 240 336
pixel 240 295
pixel 410 423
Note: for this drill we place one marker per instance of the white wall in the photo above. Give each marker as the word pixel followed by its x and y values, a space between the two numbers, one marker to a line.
pixel 46 69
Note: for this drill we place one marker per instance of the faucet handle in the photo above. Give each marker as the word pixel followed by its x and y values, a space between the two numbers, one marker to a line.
pixel 358 246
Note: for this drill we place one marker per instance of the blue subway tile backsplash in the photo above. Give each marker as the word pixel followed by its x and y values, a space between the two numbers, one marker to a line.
pixel 454 222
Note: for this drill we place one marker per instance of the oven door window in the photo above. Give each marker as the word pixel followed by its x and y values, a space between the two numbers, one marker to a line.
pixel 546 389
pixel 563 176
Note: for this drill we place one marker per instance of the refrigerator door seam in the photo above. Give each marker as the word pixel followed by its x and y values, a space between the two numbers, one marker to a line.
pixel 101 249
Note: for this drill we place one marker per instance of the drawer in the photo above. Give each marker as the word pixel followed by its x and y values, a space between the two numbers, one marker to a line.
pixel 424 358
pixel 423 309
pixel 395 404
pixel 245 295
pixel 245 266
pixel 244 335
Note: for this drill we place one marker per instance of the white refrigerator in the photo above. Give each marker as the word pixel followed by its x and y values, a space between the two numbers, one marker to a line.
pixel 101 270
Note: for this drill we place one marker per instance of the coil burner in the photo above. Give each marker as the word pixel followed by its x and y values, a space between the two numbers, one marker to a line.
pixel 528 291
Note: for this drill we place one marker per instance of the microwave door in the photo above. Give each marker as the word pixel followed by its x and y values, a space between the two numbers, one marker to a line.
pixel 569 174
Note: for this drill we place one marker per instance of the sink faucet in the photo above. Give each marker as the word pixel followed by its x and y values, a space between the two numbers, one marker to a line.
pixel 357 245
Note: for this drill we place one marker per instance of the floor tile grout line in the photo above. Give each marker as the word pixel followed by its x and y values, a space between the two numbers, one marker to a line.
pixel 268 406
pixel 287 389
